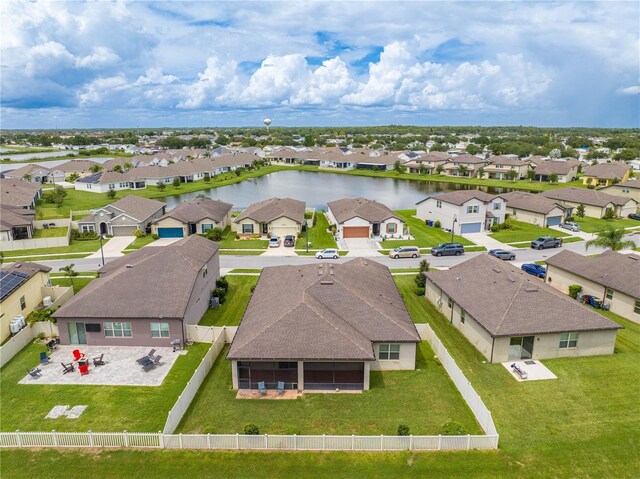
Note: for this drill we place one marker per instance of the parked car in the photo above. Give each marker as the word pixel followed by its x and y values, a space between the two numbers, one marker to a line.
pixel 405 252
pixel 502 254
pixel 634 216
pixel 570 226
pixel 274 242
pixel 534 269
pixel 447 249
pixel 289 240
pixel 545 242
pixel 328 253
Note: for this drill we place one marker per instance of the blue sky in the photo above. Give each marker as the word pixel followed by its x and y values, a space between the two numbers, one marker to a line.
pixel 138 64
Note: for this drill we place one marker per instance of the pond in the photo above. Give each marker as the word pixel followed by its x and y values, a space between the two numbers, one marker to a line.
pixel 316 189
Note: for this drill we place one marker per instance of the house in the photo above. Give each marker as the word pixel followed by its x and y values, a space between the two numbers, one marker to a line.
pixel 605 174
pixel 428 163
pixel 363 218
pixel 382 162
pixel 464 165
pixel 79 167
pixel 565 170
pixel 595 202
pixel 145 298
pixel 464 211
pixel 196 216
pixel 104 181
pixel 33 173
pixel 16 223
pixel 536 209
pixel 19 193
pixel 500 166
pixel 509 315
pixel 275 216
pixel 611 276
pixel 322 327
pixel 123 217
pixel 626 189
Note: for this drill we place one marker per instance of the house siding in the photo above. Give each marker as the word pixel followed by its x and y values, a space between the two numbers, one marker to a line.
pixel 140 330
pixel 407 359
pixel 428 210
pixel 10 306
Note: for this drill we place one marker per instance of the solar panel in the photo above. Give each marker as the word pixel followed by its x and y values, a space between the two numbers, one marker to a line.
pixel 10 281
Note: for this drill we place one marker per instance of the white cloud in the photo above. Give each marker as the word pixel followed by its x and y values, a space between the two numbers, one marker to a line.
pixel 100 57
pixel 209 85
pixel 630 90
pixel 99 89
pixel 48 57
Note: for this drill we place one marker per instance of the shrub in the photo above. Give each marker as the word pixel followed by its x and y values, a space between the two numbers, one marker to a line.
pixel 608 214
pixel 452 428
pixel 38 315
pixel 138 233
pixel 84 236
pixel 176 182
pixel 569 218
pixel 251 429
pixel 207 177
pixel 437 224
pixel 495 227
pixel 222 283
pixel 424 265
pixel 162 186
pixel 41 336
pixel 155 236
pixel 574 290
pixel 420 280
pixel 237 236
pixel 215 234
pixel 209 430
pixel 403 430
pixel 111 194
pixel 419 291
pixel 220 293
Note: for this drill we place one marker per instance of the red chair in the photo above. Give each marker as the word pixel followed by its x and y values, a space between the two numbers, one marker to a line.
pixel 77 355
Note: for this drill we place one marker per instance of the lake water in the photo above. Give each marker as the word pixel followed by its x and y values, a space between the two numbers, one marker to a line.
pixel 316 189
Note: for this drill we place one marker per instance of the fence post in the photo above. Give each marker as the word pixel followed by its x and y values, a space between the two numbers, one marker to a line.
pixel 55 437
pixel 411 442
pixel 237 441
pixel 180 440
pixel 18 440
pixel 208 440
pixel 439 442
pixel 126 439
pixel 324 442
pixel 295 442
pixel 468 441
pixel 161 439
pixel 90 438
pixel 266 441
pixel 353 441
pixel 382 442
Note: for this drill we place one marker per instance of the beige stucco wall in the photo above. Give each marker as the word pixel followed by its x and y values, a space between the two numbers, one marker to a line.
pixel 279 227
pixel 399 227
pixel 174 223
pixel 526 216
pixel 407 359
pixel 625 192
pixel 10 307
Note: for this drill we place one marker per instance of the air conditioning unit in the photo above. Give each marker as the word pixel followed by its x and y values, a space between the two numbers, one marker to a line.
pixel 439 302
pixel 47 301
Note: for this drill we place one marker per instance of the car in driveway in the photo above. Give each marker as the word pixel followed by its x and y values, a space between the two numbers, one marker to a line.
pixel 502 254
pixel 405 252
pixel 328 253
pixel 571 226
pixel 447 249
pixel 545 242
pixel 634 216
pixel 534 269
pixel 289 241
pixel 274 242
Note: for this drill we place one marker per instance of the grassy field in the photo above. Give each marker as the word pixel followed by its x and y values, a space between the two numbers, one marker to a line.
pixel 425 236
pixel 89 246
pixel 140 242
pixel 525 232
pixel 49 232
pixel 230 313
pixel 318 236
pixel 593 225
pixel 110 408
pixel 229 241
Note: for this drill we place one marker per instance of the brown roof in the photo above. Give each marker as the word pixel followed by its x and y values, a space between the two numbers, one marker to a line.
pixel 372 211
pixel 147 283
pixel 632 183
pixel 26 267
pixel 268 210
pixel 16 192
pixel 322 312
pixel 547 168
pixel 138 207
pixel 522 200
pixel 27 170
pixel 584 196
pixel 620 272
pixel 608 171
pixel 460 197
pixel 11 216
pixel 80 166
pixel 467 159
pixel 506 301
pixel 507 161
pixel 198 209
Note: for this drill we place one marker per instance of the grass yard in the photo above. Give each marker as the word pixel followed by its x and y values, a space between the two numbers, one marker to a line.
pixel 593 225
pixel 424 399
pixel 230 313
pixel 110 408
pixel 229 241
pixel 90 246
pixel 78 283
pixel 525 232
pixel 49 232
pixel 140 242
pixel 245 270
pixel 318 236
pixel 425 236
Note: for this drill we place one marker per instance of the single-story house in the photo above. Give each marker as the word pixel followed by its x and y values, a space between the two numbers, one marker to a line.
pixel 500 165
pixel 611 276
pixel 626 189
pixel 81 167
pixel 35 174
pixel 605 174
pixel 276 216
pixel 196 216
pixel 104 181
pixel 536 209
pixel 464 211
pixel 19 193
pixel 509 315
pixel 145 298
pixel 322 327
pixel 595 202
pixel 123 217
pixel 16 223
pixel 363 218
pixel 565 170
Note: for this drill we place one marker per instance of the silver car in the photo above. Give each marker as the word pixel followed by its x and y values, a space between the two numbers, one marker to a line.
pixel 328 253
pixel 570 226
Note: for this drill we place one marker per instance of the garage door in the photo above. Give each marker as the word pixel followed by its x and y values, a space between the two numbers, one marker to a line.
pixel 123 230
pixel 355 232
pixel 170 232
pixel 554 220
pixel 470 228
pixel 282 231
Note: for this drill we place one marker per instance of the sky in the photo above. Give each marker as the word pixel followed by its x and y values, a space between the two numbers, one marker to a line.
pixel 233 63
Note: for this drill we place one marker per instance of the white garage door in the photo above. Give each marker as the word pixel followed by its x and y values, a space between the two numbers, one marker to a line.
pixel 282 231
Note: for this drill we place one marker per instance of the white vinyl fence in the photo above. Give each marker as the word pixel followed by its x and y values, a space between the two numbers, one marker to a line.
pixel 9 349
pixel 208 334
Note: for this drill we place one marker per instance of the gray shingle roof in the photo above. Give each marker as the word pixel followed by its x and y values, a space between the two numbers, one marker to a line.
pixel 148 283
pixel 273 208
pixel 11 216
pixel 138 207
pixel 531 202
pixel 15 192
pixel 620 272
pixel 506 301
pixel 372 211
pixel 462 196
pixel 584 196
pixel 322 312
pixel 608 171
pixel 198 209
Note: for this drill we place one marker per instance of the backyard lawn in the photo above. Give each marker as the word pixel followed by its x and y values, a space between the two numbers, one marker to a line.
pixel 110 408
pixel 425 236
pixel 231 311
pixel 318 236
pixel 525 232
pixel 78 282
pixel 49 232
pixel 229 241
pixel 593 225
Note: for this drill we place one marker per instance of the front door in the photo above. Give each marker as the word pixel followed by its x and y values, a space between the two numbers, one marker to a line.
pixel 521 347
pixel 103 228
pixel 375 229
pixel 77 333
pixel 265 228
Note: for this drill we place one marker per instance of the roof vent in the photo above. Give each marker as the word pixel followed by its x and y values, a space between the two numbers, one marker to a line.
pixel 129 266
pixel 365 263
pixel 512 280
pixel 320 272
pixel 496 270
pixel 531 289
pixel 326 282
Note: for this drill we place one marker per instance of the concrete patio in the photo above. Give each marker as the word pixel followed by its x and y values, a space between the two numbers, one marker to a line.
pixel 120 369
pixel 535 372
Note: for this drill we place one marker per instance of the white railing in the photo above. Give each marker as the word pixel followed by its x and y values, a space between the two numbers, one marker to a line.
pixel 247 442
pixel 477 406
pixel 184 400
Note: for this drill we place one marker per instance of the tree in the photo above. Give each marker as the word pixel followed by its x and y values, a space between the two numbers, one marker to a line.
pixel 553 178
pixel 127 166
pixel 531 174
pixel 439 169
pixel 512 174
pixel 481 172
pixel 580 211
pixel 462 170
pixel 608 214
pixel 162 186
pixel 95 168
pixel 111 194
pixel 26 177
pixel 69 272
pixel 611 238
pixel 309 141
pixel 473 149
pixel 117 168
pixel 176 182
pixel 397 166
pixel 207 177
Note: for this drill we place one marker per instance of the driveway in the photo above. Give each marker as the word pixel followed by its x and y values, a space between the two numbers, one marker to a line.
pixel 280 251
pixel 113 248
pixel 483 239
pixel 362 247
pixel 579 234
pixel 163 242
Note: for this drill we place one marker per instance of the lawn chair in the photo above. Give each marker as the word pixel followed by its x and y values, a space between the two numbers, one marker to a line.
pixel 52 345
pixel 152 364
pixel 147 358
pixel 262 388
pixel 44 358
pixel 67 368
pixel 99 361
pixel 280 387
pixel 77 355
pixel 34 373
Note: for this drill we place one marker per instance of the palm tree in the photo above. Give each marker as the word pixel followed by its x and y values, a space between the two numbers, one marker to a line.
pixel 69 273
pixel 611 238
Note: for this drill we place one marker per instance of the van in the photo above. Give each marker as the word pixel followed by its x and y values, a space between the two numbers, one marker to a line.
pixel 447 249
pixel 405 252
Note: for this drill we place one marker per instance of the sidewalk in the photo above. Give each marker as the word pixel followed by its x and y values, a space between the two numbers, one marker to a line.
pixel 113 248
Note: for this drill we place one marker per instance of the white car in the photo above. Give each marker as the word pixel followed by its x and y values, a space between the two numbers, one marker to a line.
pixel 570 226
pixel 328 253
pixel 274 242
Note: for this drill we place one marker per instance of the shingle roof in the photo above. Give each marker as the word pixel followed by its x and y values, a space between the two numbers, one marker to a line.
pixel 147 283
pixel 531 202
pixel 467 159
pixel 633 183
pixel 372 211
pixel 462 196
pixel 138 207
pixel 620 272
pixel 15 192
pixel 322 312
pixel 11 216
pixel 584 196
pixel 198 209
pixel 14 276
pixel 506 301
pixel 79 166
pixel 608 171
pixel 548 168
pixel 272 209
pixel 27 170
pixel 507 160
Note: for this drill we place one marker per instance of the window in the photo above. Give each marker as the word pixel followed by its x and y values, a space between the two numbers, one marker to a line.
pixel 568 340
pixel 438 204
pixel 159 330
pixel 450 303
pixel 23 303
pixel 463 315
pixel 117 330
pixel 206 227
pixel 388 352
pixel 86 228
pixel 609 293
pixel 636 307
pixel 247 228
pixel 472 209
pixel 205 271
pixel 497 206
pixel 392 228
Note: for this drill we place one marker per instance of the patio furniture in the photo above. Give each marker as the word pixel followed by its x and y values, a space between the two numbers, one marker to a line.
pixel 44 358
pixel 52 345
pixel 152 364
pixel 77 355
pixel 83 366
pixel 34 373
pixel 146 358
pixel 67 368
pixel 262 388
pixel 99 361
pixel 176 344
pixel 521 374
pixel 280 387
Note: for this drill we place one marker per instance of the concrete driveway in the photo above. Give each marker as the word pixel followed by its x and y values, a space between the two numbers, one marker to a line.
pixel 113 248
pixel 362 247
pixel 163 242
pixel 483 239
pixel 280 251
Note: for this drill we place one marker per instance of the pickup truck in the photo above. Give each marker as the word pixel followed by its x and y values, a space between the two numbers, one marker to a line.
pixel 545 242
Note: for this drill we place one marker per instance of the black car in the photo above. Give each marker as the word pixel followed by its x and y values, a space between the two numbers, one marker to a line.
pixel 635 216
pixel 290 240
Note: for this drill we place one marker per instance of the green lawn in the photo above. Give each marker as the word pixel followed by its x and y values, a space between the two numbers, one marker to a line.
pixel 89 246
pixel 525 232
pixel 231 311
pixel 593 225
pixel 78 283
pixel 229 241
pixel 110 408
pixel 425 236
pixel 318 236
pixel 140 242
pixel 245 252
pixel 49 232
pixel 245 270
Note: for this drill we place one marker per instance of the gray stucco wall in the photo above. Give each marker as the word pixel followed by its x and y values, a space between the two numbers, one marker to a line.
pixel 141 332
